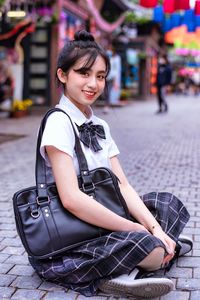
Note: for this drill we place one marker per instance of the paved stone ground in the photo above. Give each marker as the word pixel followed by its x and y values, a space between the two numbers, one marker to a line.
pixel 159 152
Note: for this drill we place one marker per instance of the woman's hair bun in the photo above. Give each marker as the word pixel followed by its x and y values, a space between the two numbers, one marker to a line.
pixel 83 35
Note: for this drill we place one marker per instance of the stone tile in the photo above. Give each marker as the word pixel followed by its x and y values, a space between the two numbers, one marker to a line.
pixel 4 268
pixel 6 226
pixel 19 270
pixel 188 284
pixel 178 295
pixel 61 295
pixel 17 259
pixel 23 294
pixel 195 295
pixel 8 219
pixel 2 247
pixel 50 286
pixel 180 272
pixel 6 293
pixel 6 280
pixel 27 282
pixel 11 242
pixel 13 250
pixel 196 252
pixel 8 233
pixel 3 257
pixel 196 272
pixel 189 262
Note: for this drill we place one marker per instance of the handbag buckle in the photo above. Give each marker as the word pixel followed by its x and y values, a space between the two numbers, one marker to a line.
pixel 88 188
pixel 42 200
pixel 35 214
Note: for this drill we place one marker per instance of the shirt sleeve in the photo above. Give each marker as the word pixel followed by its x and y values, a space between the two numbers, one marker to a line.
pixel 58 132
pixel 112 147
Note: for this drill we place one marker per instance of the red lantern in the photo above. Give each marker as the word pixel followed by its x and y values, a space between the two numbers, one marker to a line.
pixel 183 4
pixel 149 3
pixel 197 7
pixel 169 6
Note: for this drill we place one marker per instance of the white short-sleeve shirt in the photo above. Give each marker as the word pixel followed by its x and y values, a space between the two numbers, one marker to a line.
pixel 59 133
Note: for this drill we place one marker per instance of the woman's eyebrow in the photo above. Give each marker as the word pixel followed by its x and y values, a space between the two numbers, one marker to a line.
pixel 101 71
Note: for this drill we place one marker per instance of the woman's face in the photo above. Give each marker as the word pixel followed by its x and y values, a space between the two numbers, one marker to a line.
pixel 84 87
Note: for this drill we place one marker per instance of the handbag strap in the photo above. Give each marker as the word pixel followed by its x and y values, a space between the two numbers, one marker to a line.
pixel 40 167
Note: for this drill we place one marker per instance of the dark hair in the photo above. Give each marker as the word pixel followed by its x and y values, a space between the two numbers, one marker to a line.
pixel 83 44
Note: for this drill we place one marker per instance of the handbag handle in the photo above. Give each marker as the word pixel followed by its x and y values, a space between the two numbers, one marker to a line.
pixel 40 167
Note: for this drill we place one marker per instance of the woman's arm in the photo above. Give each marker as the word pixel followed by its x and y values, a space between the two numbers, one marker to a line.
pixel 138 209
pixel 80 204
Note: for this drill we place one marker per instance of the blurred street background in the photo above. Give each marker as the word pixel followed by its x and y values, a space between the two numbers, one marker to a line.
pixel 160 145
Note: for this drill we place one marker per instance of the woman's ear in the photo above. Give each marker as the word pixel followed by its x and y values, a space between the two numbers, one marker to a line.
pixel 61 75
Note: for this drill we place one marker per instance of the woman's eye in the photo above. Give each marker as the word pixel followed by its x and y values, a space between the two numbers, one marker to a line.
pixel 84 73
pixel 101 77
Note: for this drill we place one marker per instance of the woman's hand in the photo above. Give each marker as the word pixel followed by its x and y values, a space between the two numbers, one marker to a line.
pixel 167 241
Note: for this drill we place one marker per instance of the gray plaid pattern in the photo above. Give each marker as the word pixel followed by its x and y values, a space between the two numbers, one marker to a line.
pixel 82 268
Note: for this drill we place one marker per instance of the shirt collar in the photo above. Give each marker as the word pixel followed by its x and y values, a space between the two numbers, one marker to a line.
pixel 73 111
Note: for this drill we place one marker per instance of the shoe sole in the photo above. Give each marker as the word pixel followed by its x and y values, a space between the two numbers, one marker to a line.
pixel 140 288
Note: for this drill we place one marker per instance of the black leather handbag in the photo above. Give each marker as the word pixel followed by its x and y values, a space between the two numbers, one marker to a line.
pixel 45 227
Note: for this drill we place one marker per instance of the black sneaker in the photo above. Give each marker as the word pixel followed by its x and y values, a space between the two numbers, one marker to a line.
pixel 138 285
pixel 185 244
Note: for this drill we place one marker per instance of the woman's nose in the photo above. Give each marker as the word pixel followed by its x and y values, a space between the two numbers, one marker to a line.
pixel 92 82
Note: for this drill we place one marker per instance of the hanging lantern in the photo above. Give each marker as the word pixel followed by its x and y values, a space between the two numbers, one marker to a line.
pixel 167 25
pixel 148 3
pixel 158 14
pixel 188 16
pixel 197 21
pixel 189 20
pixel 169 6
pixel 183 4
pixel 197 7
pixel 175 20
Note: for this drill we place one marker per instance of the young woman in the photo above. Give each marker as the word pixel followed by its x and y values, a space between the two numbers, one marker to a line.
pixel 108 263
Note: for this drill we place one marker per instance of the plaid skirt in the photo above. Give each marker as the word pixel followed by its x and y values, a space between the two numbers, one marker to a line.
pixel 82 268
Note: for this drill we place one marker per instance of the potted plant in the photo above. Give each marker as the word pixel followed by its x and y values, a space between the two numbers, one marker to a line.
pixel 20 108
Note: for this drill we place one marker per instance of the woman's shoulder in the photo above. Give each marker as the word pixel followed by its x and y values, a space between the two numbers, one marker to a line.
pixel 58 119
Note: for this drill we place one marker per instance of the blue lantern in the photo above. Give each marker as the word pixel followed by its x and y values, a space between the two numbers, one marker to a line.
pixel 158 14
pixel 175 20
pixel 167 24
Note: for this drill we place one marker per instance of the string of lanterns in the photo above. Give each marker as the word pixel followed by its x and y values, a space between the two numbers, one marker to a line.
pixel 170 6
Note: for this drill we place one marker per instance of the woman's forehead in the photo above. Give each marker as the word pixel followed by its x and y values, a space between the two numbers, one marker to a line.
pixel 85 62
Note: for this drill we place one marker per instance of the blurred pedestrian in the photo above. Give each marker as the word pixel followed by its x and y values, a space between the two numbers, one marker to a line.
pixel 164 75
pixel 6 87
pixel 113 79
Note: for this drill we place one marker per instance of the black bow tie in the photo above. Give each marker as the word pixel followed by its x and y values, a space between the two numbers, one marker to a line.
pixel 89 133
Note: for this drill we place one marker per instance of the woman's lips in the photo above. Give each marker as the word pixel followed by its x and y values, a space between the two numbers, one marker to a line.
pixel 89 94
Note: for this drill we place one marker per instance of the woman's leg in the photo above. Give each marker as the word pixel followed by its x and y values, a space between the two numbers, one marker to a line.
pixel 154 260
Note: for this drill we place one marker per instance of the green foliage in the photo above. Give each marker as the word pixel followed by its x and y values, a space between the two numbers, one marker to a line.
pixel 131 17
pixel 2 2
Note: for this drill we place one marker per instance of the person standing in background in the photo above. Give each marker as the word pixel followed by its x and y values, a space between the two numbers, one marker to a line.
pixel 114 79
pixel 6 87
pixel 164 75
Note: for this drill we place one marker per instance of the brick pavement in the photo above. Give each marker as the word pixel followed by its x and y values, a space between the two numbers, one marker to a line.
pixel 159 152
